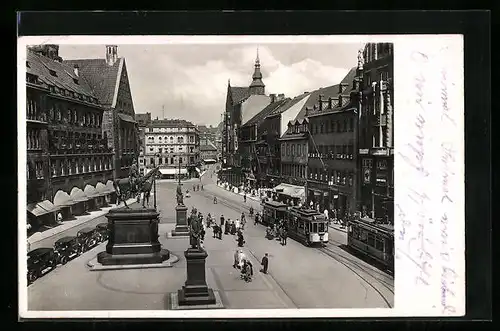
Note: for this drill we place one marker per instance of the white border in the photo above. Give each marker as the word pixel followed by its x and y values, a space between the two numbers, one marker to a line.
pixel 445 53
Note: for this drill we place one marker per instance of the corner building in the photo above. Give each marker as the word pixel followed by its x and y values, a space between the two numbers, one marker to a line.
pixel 376 132
pixel 69 161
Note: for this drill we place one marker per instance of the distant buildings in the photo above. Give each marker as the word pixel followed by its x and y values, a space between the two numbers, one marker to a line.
pixel 208 135
pixel 173 145
pixel 208 152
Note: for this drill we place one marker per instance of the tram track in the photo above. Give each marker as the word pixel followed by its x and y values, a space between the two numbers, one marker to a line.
pixel 382 283
pixel 355 267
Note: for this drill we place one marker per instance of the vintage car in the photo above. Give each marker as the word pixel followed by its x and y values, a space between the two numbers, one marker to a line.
pixel 87 238
pixel 102 232
pixel 40 261
pixel 67 248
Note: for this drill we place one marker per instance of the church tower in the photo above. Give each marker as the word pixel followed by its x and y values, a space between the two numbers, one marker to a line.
pixel 257 86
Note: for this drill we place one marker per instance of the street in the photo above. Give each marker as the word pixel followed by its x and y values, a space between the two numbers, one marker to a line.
pixel 299 277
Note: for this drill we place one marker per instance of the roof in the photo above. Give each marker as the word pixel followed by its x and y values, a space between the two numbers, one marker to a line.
pixel 126 118
pixel 288 104
pixel 292 136
pixel 331 91
pixel 171 123
pixel 239 94
pixel 266 111
pixel 64 78
pixel 102 77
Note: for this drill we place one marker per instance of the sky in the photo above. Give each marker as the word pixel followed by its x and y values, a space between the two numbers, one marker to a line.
pixel 190 81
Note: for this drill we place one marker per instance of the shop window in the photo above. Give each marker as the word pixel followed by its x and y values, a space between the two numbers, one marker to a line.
pixel 379 244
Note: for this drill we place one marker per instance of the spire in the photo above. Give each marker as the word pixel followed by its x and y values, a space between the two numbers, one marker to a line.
pixel 257 86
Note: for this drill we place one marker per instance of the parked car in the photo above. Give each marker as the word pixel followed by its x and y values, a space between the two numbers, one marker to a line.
pixel 40 261
pixel 87 238
pixel 102 232
pixel 67 248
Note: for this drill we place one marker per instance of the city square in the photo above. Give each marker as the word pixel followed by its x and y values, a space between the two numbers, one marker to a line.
pixel 118 199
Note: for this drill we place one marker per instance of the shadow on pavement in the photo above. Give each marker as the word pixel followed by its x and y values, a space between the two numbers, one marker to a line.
pixel 366 259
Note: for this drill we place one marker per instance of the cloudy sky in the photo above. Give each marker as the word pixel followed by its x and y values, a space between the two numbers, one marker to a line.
pixel 190 81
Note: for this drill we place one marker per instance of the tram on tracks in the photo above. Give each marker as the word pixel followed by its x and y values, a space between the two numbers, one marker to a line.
pixel 307 226
pixel 273 211
pixel 374 240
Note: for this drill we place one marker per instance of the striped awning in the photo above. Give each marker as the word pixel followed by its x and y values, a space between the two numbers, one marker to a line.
pixel 42 208
pixel 172 171
pixel 78 195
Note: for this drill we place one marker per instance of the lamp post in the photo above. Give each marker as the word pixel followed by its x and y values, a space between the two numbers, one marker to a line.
pixel 154 179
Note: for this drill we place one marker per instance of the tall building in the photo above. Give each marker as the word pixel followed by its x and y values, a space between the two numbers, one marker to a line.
pixel 376 131
pixel 172 144
pixel 108 79
pixel 208 135
pixel 332 170
pixel 69 161
pixel 242 103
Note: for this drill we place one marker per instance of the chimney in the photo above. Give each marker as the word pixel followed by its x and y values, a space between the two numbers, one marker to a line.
pixel 281 96
pixel 273 97
pixel 111 54
pixel 76 70
pixel 320 99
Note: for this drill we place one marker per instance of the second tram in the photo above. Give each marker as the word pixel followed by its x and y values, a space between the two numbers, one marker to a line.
pixel 307 226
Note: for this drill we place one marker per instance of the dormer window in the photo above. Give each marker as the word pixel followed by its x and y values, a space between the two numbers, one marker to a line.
pixel 75 80
pixel 53 72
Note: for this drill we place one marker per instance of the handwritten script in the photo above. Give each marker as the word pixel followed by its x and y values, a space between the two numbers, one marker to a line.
pixel 429 157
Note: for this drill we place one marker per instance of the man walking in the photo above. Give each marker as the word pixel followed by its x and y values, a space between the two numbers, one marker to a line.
pixel 265 264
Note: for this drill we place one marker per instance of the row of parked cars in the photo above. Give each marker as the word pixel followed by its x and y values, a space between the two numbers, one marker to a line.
pixel 44 259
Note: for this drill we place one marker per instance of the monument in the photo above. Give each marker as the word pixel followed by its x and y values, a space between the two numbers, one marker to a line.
pixel 133 238
pixel 195 292
pixel 181 225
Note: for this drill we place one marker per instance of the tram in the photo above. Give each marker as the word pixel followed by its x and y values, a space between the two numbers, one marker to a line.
pixel 373 240
pixel 307 226
pixel 273 211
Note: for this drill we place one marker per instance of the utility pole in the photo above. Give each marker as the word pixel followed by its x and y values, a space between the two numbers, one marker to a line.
pixel 163 111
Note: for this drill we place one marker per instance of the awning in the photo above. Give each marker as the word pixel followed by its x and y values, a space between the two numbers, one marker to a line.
pixel 78 195
pixel 102 189
pixel 63 199
pixel 126 118
pixel 42 208
pixel 109 186
pixel 91 192
pixel 173 171
pixel 198 170
pixel 293 191
pixel 210 160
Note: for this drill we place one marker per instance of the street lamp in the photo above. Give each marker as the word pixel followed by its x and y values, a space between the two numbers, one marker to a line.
pixel 154 178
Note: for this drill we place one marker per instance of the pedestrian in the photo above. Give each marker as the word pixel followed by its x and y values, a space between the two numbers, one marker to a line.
pixel 256 219
pixel 285 236
pixel 243 222
pixel 221 220
pixel 264 263
pixel 245 197
pixel 219 232
pixel 237 224
pixel 236 259
pixel 227 226
pixel 215 231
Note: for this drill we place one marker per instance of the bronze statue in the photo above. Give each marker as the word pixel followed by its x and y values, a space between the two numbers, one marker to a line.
pixel 195 229
pixel 180 197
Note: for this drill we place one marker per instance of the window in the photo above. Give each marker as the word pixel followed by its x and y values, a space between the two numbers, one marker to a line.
pixel 160 150
pixel 382 164
pixel 379 244
pixel 293 150
pixel 371 240
pixel 160 160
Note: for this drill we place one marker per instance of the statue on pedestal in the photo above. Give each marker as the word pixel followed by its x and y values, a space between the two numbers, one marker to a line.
pixel 195 228
pixel 180 197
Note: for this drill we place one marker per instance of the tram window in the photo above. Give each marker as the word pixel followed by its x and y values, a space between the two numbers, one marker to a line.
pixel 389 247
pixel 301 225
pixel 379 244
pixel 315 227
pixel 363 236
pixel 371 239
pixel 321 227
pixel 355 233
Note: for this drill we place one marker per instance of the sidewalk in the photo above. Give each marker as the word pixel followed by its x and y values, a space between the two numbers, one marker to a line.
pixel 337 227
pixel 240 193
pixel 38 236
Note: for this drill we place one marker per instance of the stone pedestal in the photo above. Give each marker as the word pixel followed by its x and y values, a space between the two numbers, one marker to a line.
pixel 195 291
pixel 133 238
pixel 181 226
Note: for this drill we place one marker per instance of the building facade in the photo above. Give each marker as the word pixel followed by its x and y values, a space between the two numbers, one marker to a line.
pixel 208 152
pixel 294 153
pixel 376 132
pixel 174 146
pixel 332 170
pixel 67 150
pixel 242 103
pixel 208 135
pixel 108 79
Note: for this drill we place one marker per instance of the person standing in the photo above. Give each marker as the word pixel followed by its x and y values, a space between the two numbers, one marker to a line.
pixel 221 220
pixel 245 197
pixel 265 263
pixel 285 236
pixel 236 259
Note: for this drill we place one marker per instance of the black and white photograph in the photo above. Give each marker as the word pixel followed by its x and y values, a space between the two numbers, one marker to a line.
pixel 217 175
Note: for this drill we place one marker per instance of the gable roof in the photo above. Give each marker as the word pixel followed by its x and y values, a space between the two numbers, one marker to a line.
pixel 65 78
pixel 266 111
pixel 103 78
pixel 239 94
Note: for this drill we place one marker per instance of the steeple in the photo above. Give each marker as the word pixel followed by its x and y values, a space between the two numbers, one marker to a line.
pixel 257 86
